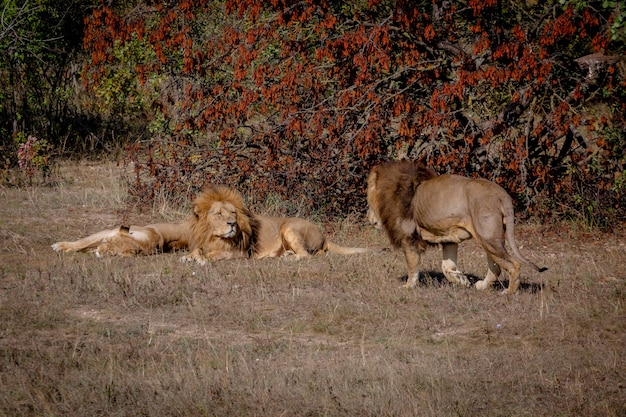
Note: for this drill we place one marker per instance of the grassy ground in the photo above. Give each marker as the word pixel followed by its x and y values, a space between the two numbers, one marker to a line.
pixel 331 335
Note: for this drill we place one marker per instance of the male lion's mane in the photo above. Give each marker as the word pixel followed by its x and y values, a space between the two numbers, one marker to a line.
pixel 202 236
pixel 396 183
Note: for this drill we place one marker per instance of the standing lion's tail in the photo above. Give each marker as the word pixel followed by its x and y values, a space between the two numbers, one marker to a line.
pixel 509 220
pixel 343 250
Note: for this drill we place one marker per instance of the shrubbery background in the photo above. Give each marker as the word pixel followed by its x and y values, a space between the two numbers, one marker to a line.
pixel 297 100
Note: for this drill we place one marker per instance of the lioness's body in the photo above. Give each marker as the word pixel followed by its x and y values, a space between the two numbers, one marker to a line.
pixel 133 240
pixel 414 205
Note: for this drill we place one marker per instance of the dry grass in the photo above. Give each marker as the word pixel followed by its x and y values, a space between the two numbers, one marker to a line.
pixel 332 335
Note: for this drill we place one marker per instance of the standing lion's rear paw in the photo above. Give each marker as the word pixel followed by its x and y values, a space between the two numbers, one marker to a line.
pixel 460 279
pixel 482 285
pixel 463 281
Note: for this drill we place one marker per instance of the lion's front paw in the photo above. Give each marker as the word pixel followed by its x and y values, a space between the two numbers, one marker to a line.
pixel 191 258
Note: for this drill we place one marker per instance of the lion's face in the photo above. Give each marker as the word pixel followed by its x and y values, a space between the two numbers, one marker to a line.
pixel 373 218
pixel 222 226
pixel 221 218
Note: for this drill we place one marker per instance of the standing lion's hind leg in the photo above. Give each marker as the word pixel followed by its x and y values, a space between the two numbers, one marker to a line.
pixel 448 265
pixel 512 267
pixel 499 259
pixel 492 274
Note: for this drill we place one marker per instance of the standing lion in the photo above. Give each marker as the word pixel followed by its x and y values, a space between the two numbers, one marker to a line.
pixel 416 207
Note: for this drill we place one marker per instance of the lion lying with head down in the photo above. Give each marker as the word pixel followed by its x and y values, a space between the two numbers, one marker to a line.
pixel 416 207
pixel 221 227
pixel 133 240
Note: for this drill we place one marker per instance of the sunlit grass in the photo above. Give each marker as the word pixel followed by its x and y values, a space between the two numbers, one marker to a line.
pixel 329 335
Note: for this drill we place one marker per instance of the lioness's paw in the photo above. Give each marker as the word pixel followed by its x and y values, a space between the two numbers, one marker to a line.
pixel 60 247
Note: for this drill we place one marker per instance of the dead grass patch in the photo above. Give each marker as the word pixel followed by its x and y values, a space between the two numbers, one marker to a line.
pixel 330 335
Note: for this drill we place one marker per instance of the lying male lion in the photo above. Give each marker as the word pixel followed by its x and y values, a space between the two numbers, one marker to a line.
pixel 221 227
pixel 248 235
pixel 416 207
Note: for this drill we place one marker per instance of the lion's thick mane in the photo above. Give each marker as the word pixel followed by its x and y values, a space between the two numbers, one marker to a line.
pixel 203 236
pixel 391 188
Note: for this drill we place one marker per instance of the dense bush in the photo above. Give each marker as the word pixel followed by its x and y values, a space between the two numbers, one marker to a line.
pixel 42 93
pixel 300 99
